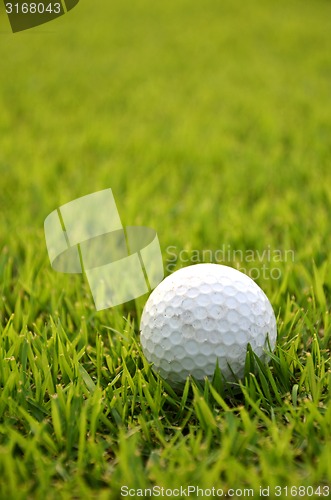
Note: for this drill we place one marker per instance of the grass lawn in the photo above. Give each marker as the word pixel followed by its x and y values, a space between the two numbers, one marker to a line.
pixel 211 122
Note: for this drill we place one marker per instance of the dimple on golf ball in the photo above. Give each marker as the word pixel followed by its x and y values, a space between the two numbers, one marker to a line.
pixel 202 314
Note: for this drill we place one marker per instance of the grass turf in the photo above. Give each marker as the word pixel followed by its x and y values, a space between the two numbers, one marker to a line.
pixel 211 123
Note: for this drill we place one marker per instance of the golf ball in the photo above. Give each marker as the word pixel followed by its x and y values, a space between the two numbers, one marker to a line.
pixel 202 314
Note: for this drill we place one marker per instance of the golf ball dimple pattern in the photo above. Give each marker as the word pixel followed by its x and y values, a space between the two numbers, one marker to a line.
pixel 202 314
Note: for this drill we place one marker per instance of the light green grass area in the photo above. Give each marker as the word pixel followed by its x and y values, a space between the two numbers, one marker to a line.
pixel 211 122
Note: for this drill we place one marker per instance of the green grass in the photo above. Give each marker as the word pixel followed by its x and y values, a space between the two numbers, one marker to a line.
pixel 211 123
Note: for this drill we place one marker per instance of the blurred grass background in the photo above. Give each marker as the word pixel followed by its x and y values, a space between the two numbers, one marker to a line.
pixel 189 111
pixel 211 122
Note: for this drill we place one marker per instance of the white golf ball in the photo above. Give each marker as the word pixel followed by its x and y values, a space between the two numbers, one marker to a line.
pixel 202 314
